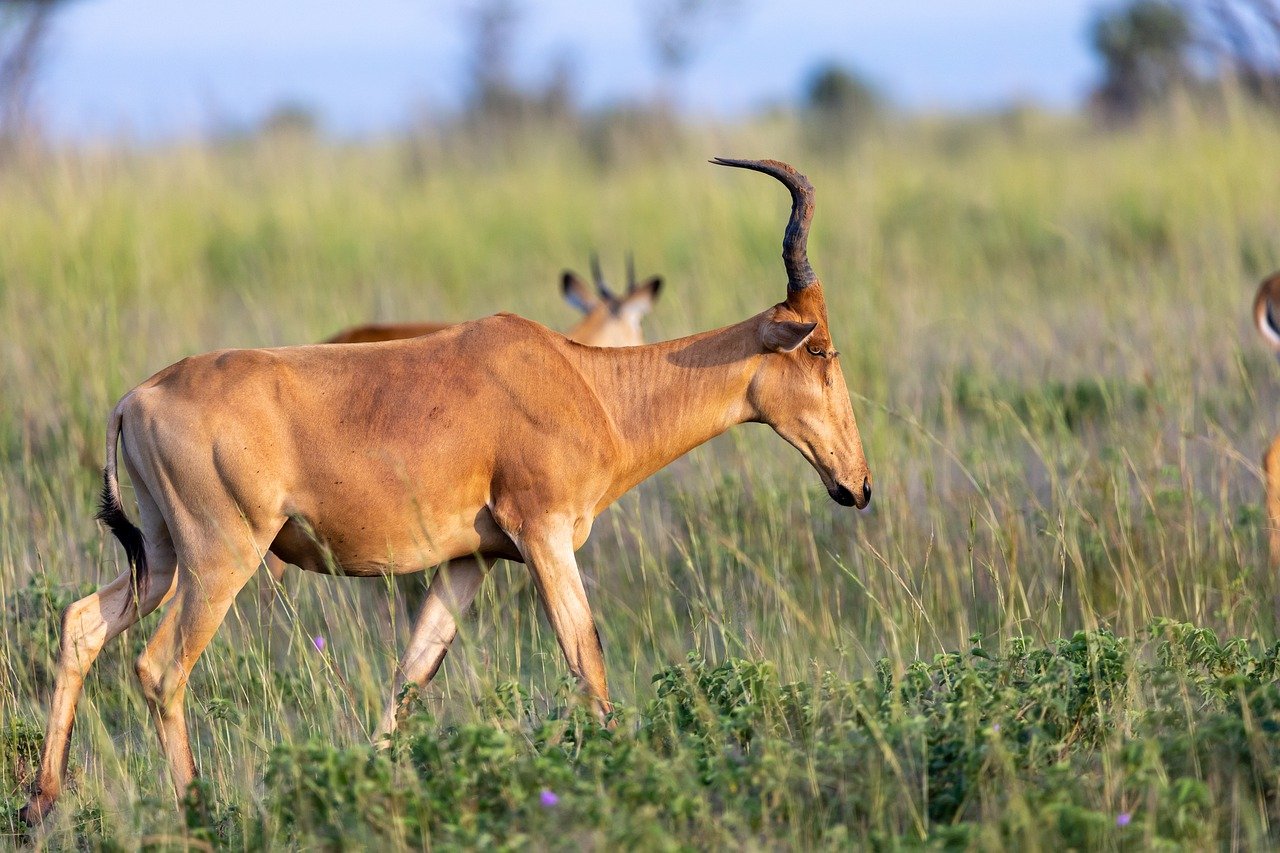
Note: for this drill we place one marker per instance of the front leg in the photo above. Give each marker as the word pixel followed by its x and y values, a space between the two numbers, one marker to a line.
pixel 548 551
pixel 1271 474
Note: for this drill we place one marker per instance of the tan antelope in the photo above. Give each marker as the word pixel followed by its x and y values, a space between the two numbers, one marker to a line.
pixel 496 438
pixel 609 320
pixel 1266 316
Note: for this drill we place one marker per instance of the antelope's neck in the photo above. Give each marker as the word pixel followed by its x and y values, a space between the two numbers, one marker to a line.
pixel 665 399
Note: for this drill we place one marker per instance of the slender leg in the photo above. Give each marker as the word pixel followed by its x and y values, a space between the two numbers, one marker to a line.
pixel 1271 475
pixel 549 555
pixel 1271 470
pixel 451 592
pixel 87 626
pixel 207 586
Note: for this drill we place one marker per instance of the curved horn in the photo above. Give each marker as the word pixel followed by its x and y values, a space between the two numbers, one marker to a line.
pixel 795 241
pixel 631 272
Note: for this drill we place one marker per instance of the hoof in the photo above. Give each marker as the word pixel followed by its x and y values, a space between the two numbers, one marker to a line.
pixel 35 811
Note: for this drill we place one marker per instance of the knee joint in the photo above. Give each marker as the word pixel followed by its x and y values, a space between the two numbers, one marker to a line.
pixel 72 622
pixel 76 638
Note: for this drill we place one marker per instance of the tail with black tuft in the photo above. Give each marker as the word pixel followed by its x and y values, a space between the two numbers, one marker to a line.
pixel 111 512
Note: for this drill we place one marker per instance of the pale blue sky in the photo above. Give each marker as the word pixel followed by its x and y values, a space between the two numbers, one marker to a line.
pixel 158 67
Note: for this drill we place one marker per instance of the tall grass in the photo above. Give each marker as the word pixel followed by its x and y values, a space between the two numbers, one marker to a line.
pixel 1044 328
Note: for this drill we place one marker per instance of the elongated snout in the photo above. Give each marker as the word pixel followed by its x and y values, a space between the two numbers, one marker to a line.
pixel 844 496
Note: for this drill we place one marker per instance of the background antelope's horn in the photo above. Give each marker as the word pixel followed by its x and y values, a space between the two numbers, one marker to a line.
pixel 631 272
pixel 598 277
pixel 795 241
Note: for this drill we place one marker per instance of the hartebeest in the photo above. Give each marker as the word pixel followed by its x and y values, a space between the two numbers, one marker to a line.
pixel 1265 307
pixel 493 439
pixel 609 320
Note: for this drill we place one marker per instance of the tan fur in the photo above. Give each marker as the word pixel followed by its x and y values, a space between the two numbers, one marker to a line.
pixel 496 438
pixel 1271 475
pixel 608 321
pixel 1266 311
pixel 375 332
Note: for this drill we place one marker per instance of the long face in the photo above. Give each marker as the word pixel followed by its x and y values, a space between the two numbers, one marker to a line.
pixel 604 326
pixel 799 390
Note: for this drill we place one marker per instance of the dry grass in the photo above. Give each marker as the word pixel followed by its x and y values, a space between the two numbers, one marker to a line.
pixel 1045 330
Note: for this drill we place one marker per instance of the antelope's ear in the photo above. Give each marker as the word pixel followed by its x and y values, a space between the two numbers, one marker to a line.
pixel 577 292
pixel 1265 314
pixel 639 299
pixel 785 335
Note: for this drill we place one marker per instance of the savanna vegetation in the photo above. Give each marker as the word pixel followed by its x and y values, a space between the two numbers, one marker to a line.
pixel 1056 627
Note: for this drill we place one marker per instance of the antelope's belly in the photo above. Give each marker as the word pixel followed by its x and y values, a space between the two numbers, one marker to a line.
pixel 401 543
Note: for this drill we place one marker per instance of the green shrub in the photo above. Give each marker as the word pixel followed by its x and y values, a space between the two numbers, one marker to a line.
pixel 1088 736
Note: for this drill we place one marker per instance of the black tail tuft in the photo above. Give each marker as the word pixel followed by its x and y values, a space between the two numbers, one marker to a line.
pixel 111 513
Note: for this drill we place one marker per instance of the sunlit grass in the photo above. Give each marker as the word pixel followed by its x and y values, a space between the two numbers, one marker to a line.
pixel 1045 330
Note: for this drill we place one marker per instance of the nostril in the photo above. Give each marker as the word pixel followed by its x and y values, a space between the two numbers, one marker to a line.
pixel 866 490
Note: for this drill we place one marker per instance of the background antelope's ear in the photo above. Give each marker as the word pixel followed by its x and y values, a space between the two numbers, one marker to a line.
pixel 1265 313
pixel 577 292
pixel 785 335
pixel 640 298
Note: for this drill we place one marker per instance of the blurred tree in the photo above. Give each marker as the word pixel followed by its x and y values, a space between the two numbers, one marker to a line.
pixel 675 30
pixel 1242 39
pixel 494 93
pixel 289 119
pixel 492 25
pixel 840 104
pixel 24 26
pixel 835 90
pixel 1144 46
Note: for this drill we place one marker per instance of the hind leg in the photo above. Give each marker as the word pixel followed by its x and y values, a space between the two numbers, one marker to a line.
pixel 452 590
pixel 87 625
pixel 214 569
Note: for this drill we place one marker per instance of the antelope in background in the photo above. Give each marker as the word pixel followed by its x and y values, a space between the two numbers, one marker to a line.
pixel 496 438
pixel 1265 308
pixel 609 320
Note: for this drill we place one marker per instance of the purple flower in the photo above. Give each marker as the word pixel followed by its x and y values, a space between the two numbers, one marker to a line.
pixel 995 727
pixel 548 798
pixel 318 642
pixel 1123 819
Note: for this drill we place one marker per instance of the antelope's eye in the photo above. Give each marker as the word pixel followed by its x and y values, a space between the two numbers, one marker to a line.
pixel 818 351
